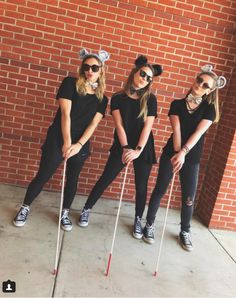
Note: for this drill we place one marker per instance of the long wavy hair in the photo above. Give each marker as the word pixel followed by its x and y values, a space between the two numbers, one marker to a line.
pixel 212 97
pixel 81 80
pixel 146 90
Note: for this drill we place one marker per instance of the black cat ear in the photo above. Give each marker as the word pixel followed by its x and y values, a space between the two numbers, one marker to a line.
pixel 141 60
pixel 158 70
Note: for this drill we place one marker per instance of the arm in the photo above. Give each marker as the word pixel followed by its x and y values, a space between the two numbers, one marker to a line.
pixel 65 106
pixel 179 158
pixel 133 154
pixel 75 148
pixel 175 124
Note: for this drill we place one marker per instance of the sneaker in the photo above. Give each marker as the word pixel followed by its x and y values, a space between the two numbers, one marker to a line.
pixel 84 218
pixel 66 223
pixel 138 230
pixel 148 233
pixel 20 219
pixel 185 240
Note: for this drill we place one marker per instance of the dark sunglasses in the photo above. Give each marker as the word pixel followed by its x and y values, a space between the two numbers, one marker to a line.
pixel 143 74
pixel 94 67
pixel 200 80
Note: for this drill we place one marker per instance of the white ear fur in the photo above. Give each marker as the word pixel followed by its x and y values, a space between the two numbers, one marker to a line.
pixel 103 55
pixel 221 82
pixel 83 53
pixel 207 68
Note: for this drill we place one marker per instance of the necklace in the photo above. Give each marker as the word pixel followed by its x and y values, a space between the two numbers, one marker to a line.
pixel 191 110
pixel 93 85
pixel 195 99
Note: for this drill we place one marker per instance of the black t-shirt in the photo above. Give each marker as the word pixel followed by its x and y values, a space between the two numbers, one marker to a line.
pixel 83 110
pixel 188 125
pixel 129 109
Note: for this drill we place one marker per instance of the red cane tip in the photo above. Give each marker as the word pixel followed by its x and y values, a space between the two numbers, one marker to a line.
pixel 155 273
pixel 55 272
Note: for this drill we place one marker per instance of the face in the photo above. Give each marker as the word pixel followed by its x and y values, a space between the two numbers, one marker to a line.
pixel 202 85
pixel 142 77
pixel 92 69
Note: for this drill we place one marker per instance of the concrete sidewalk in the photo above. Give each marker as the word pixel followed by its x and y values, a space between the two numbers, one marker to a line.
pixel 28 254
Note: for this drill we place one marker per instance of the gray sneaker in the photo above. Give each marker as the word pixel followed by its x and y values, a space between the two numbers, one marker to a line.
pixel 84 218
pixel 185 240
pixel 20 219
pixel 148 233
pixel 66 223
pixel 138 230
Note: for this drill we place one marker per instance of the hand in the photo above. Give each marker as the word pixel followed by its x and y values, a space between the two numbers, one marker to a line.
pixel 72 150
pixel 177 161
pixel 130 155
pixel 65 147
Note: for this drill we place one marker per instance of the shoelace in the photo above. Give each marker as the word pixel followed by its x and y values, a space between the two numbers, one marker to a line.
pixel 85 215
pixel 65 218
pixel 187 238
pixel 138 226
pixel 23 214
pixel 150 231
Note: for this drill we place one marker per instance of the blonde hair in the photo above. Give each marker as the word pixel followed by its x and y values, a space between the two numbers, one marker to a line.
pixel 81 80
pixel 212 97
pixel 146 91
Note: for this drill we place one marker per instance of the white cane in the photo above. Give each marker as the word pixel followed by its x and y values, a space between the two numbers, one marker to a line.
pixel 164 226
pixel 59 221
pixel 117 218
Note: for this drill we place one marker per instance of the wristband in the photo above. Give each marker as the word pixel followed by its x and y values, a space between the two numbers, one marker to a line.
pixel 138 148
pixel 80 143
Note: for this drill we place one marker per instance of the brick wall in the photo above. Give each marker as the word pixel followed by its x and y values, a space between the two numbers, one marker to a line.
pixel 40 41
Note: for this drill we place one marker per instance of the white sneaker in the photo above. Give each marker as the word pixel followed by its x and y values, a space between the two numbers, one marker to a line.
pixel 20 219
pixel 66 223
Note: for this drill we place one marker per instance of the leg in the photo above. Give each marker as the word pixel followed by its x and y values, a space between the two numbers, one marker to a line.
pixel 48 164
pixel 188 180
pixel 112 169
pixel 163 179
pixel 73 169
pixel 142 171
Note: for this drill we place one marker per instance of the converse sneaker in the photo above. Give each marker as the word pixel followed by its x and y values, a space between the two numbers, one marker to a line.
pixel 20 219
pixel 84 218
pixel 148 233
pixel 138 230
pixel 185 240
pixel 66 223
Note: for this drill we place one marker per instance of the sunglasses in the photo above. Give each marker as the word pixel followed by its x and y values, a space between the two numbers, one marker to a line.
pixel 204 85
pixel 94 67
pixel 143 74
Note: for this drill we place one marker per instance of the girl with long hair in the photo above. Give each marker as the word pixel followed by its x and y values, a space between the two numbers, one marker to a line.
pixel 133 110
pixel 190 118
pixel 82 105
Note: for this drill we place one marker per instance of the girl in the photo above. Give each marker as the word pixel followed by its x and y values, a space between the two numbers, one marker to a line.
pixel 82 105
pixel 190 118
pixel 133 110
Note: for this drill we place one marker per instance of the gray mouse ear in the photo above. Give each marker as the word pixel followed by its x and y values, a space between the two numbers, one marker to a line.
pixel 83 53
pixel 103 55
pixel 220 82
pixel 207 68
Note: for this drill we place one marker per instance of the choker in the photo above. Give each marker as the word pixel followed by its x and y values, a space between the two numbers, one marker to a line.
pixel 139 92
pixel 195 99
pixel 93 85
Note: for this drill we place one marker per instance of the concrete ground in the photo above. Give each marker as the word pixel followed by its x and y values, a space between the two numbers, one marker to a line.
pixel 27 255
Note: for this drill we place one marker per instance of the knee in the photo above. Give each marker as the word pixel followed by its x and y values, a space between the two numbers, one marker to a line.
pixel 188 202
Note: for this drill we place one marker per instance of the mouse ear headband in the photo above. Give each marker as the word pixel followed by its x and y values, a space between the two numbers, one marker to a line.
pixel 220 81
pixel 142 61
pixel 102 55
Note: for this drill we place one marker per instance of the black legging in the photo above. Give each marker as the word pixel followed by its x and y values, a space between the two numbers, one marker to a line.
pixel 112 169
pixel 50 161
pixel 188 180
